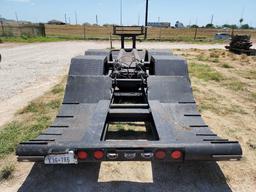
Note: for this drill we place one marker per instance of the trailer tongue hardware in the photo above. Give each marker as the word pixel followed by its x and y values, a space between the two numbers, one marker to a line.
pixel 128 105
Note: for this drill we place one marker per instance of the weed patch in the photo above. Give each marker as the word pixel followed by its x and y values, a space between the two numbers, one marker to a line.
pixel 204 72
pixel 227 66
pixel 234 85
pixel 6 172
pixel 30 121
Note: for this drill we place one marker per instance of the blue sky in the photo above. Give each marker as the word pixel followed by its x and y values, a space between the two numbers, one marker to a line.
pixel 108 11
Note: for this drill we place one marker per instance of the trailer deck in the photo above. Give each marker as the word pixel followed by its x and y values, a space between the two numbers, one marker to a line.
pixel 148 90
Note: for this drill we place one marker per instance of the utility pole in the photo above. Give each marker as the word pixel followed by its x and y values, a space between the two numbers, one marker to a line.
pixel 76 17
pixel 17 19
pixel 138 19
pixel 146 21
pixel 212 19
pixel 97 20
pixel 121 12
pixel 66 18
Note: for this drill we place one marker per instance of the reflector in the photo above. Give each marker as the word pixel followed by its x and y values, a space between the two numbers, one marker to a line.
pixel 98 154
pixel 82 154
pixel 176 154
pixel 160 154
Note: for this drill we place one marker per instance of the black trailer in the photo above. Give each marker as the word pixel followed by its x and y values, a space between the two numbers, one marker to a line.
pixel 128 105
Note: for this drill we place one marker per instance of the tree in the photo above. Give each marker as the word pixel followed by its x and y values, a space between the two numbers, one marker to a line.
pixel 194 26
pixel 210 25
pixel 241 21
pixel 230 26
pixel 245 26
pixel 107 25
pixel 87 24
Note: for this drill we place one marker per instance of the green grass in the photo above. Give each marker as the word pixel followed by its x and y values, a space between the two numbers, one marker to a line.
pixel 34 107
pixel 227 66
pixel 253 97
pixel 214 54
pixel 251 74
pixel 202 57
pixel 25 39
pixel 58 89
pixel 16 132
pixel 204 72
pixel 209 104
pixel 234 84
pixel 6 172
pixel 31 120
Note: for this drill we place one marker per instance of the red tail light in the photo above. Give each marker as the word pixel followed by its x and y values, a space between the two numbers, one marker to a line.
pixel 98 154
pixel 160 154
pixel 176 154
pixel 82 155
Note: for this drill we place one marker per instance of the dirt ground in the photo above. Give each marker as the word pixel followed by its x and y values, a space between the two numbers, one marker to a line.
pixel 28 71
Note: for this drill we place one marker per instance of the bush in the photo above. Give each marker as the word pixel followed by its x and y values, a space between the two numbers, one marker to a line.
pixel 6 172
pixel 204 72
pixel 25 36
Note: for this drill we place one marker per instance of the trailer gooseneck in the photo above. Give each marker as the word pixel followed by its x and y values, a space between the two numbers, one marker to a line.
pixel 128 105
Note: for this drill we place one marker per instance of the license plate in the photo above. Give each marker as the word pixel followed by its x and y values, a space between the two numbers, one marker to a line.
pixel 67 158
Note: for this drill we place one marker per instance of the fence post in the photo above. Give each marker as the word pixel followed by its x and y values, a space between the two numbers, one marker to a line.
pixel 110 40
pixel 33 30
pixel 195 33
pixel 160 33
pixel 232 32
pixel 43 29
pixel 2 26
pixel 84 32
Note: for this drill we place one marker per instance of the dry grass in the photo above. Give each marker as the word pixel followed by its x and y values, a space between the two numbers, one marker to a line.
pixel 7 171
pixel 168 34
pixel 228 106
pixel 76 32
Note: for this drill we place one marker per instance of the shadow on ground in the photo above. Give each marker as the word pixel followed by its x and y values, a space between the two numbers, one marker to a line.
pixel 199 176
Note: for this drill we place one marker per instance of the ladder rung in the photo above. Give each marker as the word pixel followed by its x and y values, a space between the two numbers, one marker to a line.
pixel 130 94
pixel 129 106
pixel 128 111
